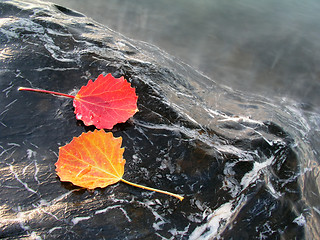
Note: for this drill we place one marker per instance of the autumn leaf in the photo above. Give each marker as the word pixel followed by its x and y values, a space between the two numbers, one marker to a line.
pixel 95 159
pixel 102 103
pixel 105 102
pixel 92 160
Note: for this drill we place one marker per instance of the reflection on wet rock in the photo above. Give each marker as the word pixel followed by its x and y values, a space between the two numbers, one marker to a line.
pixel 230 155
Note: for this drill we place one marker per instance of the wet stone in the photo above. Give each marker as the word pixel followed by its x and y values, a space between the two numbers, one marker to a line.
pixel 238 168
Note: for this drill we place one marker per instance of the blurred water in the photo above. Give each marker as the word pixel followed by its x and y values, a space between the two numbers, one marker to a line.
pixel 247 164
pixel 263 47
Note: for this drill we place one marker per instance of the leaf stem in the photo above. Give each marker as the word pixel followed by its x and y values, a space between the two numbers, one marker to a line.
pixel 45 91
pixel 153 189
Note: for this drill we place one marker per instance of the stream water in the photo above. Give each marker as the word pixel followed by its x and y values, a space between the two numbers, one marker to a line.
pixel 246 163
pixel 265 47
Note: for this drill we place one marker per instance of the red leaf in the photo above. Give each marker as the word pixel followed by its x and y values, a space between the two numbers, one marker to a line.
pixel 105 102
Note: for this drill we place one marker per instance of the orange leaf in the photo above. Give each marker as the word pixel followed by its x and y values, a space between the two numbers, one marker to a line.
pixel 95 159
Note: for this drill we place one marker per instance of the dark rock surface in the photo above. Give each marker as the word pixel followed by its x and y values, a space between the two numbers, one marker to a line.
pixel 235 158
